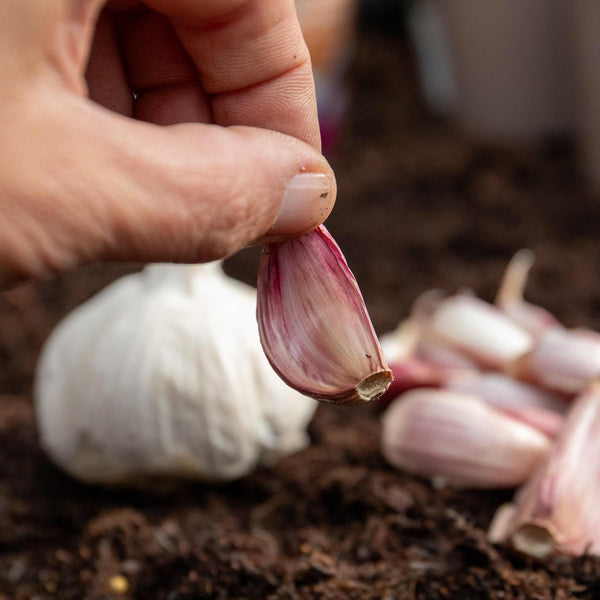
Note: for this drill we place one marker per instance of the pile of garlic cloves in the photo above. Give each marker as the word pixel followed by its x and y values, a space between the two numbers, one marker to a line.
pixel 498 396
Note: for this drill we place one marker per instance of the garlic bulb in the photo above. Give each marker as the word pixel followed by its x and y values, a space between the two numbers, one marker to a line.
pixel 162 374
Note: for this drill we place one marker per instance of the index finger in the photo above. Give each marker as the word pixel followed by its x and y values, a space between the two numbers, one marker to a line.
pixel 252 60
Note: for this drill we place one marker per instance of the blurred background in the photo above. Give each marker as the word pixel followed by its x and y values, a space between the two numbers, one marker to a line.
pixel 459 131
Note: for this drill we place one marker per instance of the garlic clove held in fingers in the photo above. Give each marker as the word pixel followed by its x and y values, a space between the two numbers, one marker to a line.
pixel 557 510
pixel 313 322
pixel 458 438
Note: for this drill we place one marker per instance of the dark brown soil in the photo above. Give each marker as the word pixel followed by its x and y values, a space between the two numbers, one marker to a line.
pixel 420 206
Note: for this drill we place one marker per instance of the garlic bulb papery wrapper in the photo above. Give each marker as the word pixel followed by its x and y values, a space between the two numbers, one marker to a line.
pixel 458 438
pixel 557 510
pixel 313 323
pixel 162 375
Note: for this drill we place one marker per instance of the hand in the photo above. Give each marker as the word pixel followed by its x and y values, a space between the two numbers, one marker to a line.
pixel 212 114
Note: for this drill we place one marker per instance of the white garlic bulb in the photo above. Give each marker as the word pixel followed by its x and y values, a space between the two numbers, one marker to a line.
pixel 162 374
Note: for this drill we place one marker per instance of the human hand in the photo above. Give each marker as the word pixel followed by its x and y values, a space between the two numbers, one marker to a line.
pixel 190 164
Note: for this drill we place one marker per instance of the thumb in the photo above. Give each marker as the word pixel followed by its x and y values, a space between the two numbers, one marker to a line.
pixel 118 189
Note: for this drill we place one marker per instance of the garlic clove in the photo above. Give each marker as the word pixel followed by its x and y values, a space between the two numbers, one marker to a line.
pixel 556 510
pixel 409 374
pixel 438 353
pixel 501 391
pixel 429 345
pixel 479 330
pixel 313 322
pixel 539 408
pixel 566 360
pixel 542 419
pixel 534 319
pixel 400 344
pixel 438 433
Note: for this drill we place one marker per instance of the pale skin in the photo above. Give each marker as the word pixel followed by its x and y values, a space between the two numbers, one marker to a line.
pixel 175 142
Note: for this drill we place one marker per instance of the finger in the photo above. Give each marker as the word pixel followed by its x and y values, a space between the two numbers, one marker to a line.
pixel 105 75
pixel 252 61
pixel 160 72
pixel 169 105
pixel 118 189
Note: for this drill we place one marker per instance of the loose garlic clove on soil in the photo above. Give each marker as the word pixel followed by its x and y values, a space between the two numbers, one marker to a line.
pixel 566 360
pixel 541 409
pixel 410 374
pixel 457 437
pixel 557 509
pixel 313 323
pixel 480 330
pixel 534 319
pixel 162 375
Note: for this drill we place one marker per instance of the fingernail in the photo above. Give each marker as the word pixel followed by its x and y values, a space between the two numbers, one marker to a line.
pixel 307 201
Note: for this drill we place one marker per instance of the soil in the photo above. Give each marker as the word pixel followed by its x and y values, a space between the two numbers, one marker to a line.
pixel 421 205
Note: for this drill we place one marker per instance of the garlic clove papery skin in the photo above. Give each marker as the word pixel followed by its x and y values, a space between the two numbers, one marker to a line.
pixel 162 375
pixel 437 433
pixel 313 323
pixel 557 510
pixel 533 319
pixel 566 360
pixel 479 330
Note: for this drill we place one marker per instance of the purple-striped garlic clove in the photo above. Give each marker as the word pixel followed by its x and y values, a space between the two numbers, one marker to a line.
pixel 457 437
pixel 547 421
pixel 566 360
pixel 439 353
pixel 539 408
pixel 501 391
pixel 429 345
pixel 410 374
pixel 479 330
pixel 313 323
pixel 556 510
pixel 534 319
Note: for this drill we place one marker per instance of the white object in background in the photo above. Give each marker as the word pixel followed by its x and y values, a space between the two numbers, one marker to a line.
pixel 162 375
pixel 512 66
pixel 432 51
